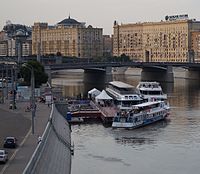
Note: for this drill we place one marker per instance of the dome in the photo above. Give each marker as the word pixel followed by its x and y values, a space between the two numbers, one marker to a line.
pixel 69 21
pixel 90 26
pixel 20 33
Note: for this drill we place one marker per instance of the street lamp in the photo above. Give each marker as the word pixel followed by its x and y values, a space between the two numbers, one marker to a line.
pixel 28 66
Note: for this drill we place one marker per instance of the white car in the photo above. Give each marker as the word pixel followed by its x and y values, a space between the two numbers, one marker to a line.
pixel 3 156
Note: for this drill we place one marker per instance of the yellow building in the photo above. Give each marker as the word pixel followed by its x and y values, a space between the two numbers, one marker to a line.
pixel 69 37
pixel 169 40
pixel 195 44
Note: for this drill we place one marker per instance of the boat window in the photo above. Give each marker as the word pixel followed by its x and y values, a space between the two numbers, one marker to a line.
pixel 130 119
pixel 116 119
pixel 154 92
pixel 130 97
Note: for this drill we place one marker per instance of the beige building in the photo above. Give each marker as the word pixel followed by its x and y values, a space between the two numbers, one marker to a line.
pixel 169 40
pixel 195 46
pixel 69 37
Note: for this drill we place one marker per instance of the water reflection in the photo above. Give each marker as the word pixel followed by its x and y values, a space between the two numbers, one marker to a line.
pixel 125 137
pixel 135 141
pixel 109 159
pixel 176 142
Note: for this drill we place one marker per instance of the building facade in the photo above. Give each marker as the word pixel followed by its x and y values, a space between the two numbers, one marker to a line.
pixel 15 40
pixel 68 38
pixel 107 46
pixel 169 40
pixel 3 48
pixel 195 50
pixel 26 47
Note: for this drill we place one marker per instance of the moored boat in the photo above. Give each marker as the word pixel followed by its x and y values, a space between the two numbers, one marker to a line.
pixel 124 95
pixel 152 91
pixel 141 114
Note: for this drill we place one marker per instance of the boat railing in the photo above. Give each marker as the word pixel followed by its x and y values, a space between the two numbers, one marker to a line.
pixel 123 92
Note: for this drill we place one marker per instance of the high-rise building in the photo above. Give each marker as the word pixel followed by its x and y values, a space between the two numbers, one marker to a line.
pixel 170 40
pixel 68 38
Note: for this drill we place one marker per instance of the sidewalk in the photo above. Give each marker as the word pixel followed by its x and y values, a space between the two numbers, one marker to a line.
pixel 21 156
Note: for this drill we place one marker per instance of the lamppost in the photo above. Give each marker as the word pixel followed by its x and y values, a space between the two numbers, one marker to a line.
pixel 28 66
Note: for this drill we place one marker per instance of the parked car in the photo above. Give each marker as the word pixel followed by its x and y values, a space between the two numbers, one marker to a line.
pixel 10 142
pixel 3 156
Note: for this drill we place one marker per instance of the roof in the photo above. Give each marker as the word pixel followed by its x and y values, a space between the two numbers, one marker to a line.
pixel 69 21
pixel 103 96
pixel 94 90
pixel 120 84
pixel 149 85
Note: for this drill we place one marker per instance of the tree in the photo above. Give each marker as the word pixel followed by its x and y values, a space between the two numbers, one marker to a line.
pixel 39 73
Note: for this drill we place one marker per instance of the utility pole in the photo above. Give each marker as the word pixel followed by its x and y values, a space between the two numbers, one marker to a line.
pixel 32 99
pixel 13 89
pixel 2 84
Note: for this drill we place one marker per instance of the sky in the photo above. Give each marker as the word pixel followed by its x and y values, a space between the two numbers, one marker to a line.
pixel 98 13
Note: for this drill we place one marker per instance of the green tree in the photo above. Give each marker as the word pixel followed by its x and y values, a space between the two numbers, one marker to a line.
pixel 39 73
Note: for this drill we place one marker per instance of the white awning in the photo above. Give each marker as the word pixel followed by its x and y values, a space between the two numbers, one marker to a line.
pixel 103 96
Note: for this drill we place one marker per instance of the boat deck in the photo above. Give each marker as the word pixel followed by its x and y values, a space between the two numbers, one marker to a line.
pixel 92 110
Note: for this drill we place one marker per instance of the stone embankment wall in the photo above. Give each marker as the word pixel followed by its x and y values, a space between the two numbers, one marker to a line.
pixel 53 153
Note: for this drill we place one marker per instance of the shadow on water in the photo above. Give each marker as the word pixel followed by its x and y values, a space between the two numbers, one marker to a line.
pixel 168 88
pixel 94 79
pixel 193 92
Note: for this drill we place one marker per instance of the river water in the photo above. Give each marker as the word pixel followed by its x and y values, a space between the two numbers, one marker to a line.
pixel 167 147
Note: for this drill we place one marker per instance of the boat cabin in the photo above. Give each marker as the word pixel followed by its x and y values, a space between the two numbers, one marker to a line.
pixel 124 95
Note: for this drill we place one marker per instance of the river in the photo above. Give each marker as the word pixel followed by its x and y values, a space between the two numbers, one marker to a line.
pixel 166 147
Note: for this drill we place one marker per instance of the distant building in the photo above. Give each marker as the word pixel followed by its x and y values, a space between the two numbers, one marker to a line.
pixel 173 40
pixel 195 46
pixel 2 35
pixel 15 40
pixel 3 48
pixel 27 47
pixel 12 47
pixel 107 45
pixel 68 38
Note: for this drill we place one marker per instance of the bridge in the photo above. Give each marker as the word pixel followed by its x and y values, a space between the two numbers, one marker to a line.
pixel 149 69
pixel 88 65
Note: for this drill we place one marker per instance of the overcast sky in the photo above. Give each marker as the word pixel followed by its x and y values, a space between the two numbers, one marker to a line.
pixel 98 13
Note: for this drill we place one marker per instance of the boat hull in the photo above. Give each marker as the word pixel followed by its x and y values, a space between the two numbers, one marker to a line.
pixel 133 125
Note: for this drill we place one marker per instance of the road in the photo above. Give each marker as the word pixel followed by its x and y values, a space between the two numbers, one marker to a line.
pixel 18 123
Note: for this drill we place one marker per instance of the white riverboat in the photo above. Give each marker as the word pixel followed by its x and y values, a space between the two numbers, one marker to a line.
pixel 141 114
pixel 124 95
pixel 152 91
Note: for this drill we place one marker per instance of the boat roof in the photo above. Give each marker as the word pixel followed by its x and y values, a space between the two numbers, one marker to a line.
pixel 149 86
pixel 120 84
pixel 148 82
pixel 147 104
